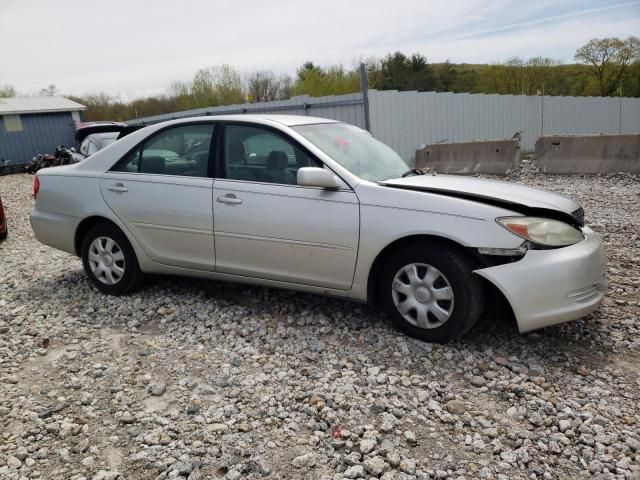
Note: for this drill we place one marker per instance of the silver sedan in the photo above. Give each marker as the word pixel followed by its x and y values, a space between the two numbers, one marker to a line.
pixel 319 206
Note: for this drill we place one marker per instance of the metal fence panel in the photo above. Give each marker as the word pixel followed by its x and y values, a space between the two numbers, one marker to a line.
pixel 408 120
pixel 346 108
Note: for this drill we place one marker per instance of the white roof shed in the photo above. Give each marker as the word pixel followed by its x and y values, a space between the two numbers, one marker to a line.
pixel 24 105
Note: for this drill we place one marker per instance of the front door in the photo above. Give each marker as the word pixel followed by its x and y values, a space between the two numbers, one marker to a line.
pixel 266 226
pixel 162 192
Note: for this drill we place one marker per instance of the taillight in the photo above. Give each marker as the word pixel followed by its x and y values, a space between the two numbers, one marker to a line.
pixel 36 186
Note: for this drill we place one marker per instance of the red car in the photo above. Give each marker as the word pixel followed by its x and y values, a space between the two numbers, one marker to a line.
pixel 3 223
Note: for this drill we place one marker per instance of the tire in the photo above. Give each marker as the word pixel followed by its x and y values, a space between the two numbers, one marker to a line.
pixel 109 260
pixel 434 268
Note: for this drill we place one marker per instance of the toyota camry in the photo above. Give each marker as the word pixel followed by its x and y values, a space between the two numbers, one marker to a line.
pixel 320 206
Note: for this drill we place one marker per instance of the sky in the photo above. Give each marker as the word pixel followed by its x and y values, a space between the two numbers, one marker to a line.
pixel 136 48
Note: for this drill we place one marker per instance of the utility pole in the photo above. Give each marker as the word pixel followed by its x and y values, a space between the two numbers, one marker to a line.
pixel 542 113
pixel 620 123
pixel 364 88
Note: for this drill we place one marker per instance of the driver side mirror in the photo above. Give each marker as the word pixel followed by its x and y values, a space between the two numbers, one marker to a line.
pixel 317 177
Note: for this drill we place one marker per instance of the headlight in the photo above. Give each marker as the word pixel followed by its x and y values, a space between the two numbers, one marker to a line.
pixel 542 231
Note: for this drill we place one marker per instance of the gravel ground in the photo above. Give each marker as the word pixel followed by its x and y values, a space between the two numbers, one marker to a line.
pixel 199 379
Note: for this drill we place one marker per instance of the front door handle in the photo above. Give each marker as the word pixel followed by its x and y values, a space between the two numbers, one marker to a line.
pixel 118 187
pixel 229 198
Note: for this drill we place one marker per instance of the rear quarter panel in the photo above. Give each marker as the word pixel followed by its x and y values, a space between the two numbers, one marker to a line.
pixel 66 197
pixel 77 196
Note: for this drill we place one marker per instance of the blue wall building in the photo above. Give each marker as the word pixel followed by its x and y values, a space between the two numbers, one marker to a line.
pixel 29 125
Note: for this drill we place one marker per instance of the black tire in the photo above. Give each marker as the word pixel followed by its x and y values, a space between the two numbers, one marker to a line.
pixel 132 277
pixel 456 270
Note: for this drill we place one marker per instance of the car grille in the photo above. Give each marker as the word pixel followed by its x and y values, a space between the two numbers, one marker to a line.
pixel 579 215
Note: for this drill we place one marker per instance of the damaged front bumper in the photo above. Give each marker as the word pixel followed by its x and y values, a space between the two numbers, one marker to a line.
pixel 547 287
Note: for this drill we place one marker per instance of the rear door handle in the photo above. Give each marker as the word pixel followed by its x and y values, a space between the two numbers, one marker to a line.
pixel 229 198
pixel 118 187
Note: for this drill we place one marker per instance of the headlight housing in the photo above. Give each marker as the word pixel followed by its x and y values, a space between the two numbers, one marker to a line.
pixel 542 231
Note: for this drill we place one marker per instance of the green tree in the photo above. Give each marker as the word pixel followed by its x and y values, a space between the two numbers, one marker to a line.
pixel 403 73
pixel 630 83
pixel 7 90
pixel 335 80
pixel 179 95
pixel 209 87
pixel 466 80
pixel 394 72
pixel 308 69
pixel 607 60
pixel 262 86
pixel 229 88
pixel 203 89
pixel 374 72
pixel 421 76
pixel 446 77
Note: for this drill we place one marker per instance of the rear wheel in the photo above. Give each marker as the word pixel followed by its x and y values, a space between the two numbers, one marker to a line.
pixel 429 291
pixel 109 260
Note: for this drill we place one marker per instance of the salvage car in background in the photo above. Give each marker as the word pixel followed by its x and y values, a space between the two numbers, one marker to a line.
pixel 94 136
pixel 93 143
pixel 320 206
pixel 90 138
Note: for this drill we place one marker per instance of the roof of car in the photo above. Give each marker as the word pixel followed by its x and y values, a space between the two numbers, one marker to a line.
pixel 288 120
pixel 104 135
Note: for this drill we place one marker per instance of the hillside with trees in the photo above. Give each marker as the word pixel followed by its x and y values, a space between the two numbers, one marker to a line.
pixel 605 67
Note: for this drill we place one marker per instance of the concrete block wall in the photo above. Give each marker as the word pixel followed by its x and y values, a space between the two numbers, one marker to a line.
pixel 590 154
pixel 494 157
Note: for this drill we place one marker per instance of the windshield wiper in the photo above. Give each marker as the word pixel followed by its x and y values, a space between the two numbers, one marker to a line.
pixel 413 171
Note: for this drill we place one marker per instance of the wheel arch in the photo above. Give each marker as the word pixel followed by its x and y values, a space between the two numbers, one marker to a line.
pixel 87 224
pixel 405 242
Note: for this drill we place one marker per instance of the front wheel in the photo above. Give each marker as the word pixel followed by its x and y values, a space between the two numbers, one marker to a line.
pixel 109 260
pixel 430 292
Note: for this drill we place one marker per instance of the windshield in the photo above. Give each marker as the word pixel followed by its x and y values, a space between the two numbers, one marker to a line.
pixel 355 149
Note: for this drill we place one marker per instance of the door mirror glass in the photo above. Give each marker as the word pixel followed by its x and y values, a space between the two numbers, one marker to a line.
pixel 317 177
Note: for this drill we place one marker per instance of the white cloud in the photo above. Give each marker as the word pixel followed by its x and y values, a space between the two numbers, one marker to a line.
pixel 136 48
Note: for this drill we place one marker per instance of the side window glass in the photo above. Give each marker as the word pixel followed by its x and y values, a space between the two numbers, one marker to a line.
pixel 131 163
pixel 182 151
pixel 259 155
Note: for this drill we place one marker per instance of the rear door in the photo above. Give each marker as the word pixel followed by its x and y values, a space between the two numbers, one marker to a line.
pixel 162 192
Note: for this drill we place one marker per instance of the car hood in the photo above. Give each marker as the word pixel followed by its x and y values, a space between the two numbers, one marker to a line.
pixel 521 199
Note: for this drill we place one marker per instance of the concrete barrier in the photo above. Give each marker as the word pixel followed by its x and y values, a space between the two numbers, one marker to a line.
pixel 591 154
pixel 495 157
